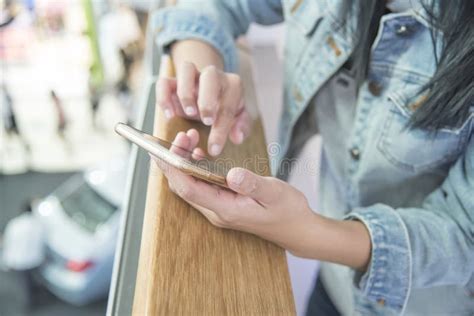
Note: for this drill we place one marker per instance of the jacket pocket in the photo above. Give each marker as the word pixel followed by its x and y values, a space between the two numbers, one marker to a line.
pixel 414 149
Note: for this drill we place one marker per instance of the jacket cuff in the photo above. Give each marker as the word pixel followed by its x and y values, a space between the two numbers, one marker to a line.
pixel 172 24
pixel 387 280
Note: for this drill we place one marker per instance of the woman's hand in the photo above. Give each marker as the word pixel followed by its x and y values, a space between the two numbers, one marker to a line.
pixel 202 91
pixel 264 206
pixel 269 208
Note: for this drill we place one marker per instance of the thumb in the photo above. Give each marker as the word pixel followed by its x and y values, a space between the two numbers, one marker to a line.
pixel 245 182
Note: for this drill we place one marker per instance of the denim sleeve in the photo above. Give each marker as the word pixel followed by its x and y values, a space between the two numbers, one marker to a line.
pixel 422 247
pixel 216 22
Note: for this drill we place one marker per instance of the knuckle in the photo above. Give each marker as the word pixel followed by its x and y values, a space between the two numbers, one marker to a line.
pixel 227 218
pixel 185 96
pixel 209 70
pixel 244 203
pixel 277 188
pixel 207 108
pixel 227 112
pixel 234 80
pixel 206 111
pixel 251 187
pixel 185 192
pixel 186 66
pixel 207 104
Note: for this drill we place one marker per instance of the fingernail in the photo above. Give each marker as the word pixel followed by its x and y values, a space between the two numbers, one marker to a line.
pixel 238 178
pixel 168 113
pixel 190 110
pixel 207 121
pixel 240 137
pixel 215 150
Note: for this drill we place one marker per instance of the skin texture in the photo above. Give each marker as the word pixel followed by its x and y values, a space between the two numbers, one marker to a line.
pixel 264 206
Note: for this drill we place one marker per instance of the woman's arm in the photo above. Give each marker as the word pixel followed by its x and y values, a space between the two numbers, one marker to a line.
pixel 273 210
pixel 398 248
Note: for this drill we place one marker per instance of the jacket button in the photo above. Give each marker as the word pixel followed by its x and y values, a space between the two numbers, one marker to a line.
pixel 381 302
pixel 403 30
pixel 355 153
pixel 159 29
pixel 297 95
pixel 374 88
pixel 332 43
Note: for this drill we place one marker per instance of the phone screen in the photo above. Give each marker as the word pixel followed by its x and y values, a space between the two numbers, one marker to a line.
pixel 213 171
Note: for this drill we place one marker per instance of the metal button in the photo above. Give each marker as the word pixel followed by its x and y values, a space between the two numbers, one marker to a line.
pixel 355 153
pixel 381 302
pixel 375 88
pixel 403 30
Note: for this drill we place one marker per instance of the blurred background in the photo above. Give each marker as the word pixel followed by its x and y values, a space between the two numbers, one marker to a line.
pixel 71 69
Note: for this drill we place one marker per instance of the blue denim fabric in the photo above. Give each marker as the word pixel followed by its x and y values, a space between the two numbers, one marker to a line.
pixel 414 190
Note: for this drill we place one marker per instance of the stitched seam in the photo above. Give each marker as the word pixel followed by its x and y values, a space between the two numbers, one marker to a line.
pixel 387 66
pixel 384 144
pixel 410 261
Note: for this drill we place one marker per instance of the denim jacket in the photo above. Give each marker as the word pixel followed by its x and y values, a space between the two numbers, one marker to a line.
pixel 414 190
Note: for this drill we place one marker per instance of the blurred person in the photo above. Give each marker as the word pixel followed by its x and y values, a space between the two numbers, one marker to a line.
pixel 389 85
pixel 29 5
pixel 16 32
pixel 94 97
pixel 9 118
pixel 7 14
pixel 51 14
pixel 127 61
pixel 61 117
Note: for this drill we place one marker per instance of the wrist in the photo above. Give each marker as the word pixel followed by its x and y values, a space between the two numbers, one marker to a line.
pixel 306 236
pixel 197 52
pixel 343 242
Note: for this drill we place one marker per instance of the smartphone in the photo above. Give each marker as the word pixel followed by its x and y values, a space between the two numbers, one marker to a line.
pixel 203 169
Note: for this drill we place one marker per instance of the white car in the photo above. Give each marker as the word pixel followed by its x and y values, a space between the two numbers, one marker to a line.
pixel 80 220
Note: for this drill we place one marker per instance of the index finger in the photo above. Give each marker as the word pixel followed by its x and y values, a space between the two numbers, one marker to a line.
pixel 186 88
pixel 209 93
pixel 228 110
